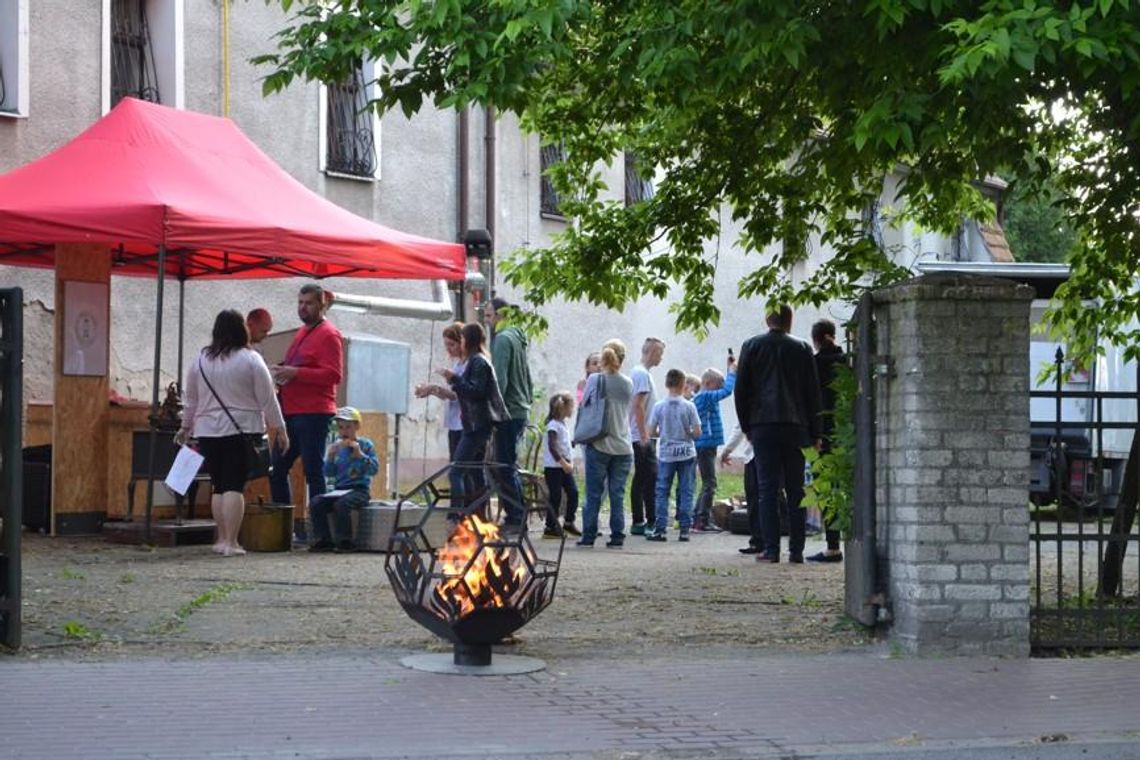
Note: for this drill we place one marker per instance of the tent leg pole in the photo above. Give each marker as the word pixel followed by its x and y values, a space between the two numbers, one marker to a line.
pixel 181 326
pixel 395 485
pixel 154 395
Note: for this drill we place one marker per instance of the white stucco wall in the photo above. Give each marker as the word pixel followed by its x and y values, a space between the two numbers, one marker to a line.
pixel 417 192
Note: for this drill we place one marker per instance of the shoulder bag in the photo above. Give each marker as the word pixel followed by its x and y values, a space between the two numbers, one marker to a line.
pixel 255 445
pixel 590 425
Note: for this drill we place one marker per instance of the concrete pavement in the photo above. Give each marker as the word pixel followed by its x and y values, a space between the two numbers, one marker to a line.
pixel 366 705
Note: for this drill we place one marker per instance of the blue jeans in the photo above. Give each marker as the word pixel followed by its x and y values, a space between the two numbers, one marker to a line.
pixel 466 474
pixel 685 470
pixel 605 471
pixel 308 434
pixel 341 508
pixel 507 435
pixel 779 462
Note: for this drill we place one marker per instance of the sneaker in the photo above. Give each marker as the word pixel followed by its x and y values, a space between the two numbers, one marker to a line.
pixel 656 536
pixel 684 536
pixel 637 529
pixel 796 559
pixel 345 547
pixel 552 533
pixel 770 559
pixel 751 550
pixel 615 543
pixel 322 546
pixel 825 557
pixel 585 543
pixel 570 530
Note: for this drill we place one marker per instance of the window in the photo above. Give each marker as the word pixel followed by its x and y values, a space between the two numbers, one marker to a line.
pixel 13 57
pixel 637 189
pixel 350 127
pixel 873 223
pixel 132 57
pixel 142 51
pixel 549 155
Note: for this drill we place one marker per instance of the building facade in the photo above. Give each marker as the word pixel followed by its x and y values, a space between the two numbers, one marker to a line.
pixel 64 64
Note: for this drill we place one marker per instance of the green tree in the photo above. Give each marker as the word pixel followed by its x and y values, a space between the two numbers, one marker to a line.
pixel 789 114
pixel 1036 227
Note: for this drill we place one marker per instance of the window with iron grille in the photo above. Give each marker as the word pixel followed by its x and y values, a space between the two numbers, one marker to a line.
pixel 873 222
pixel 549 155
pixel 133 70
pixel 637 188
pixel 350 128
pixel 14 57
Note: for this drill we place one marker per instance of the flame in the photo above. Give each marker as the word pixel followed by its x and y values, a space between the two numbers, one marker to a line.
pixel 473 578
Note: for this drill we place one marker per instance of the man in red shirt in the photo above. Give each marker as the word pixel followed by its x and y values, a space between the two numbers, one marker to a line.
pixel 307 379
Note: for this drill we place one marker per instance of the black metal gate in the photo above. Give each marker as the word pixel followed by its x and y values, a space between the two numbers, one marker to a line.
pixel 1085 588
pixel 11 460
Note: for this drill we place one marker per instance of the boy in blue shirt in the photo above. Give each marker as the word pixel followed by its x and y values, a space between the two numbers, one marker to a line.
pixel 351 461
pixel 714 389
pixel 674 422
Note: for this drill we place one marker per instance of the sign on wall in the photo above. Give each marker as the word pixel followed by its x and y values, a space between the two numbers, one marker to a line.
pixel 85 333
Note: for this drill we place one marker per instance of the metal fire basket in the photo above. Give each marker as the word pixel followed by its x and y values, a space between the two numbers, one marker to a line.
pixel 481 579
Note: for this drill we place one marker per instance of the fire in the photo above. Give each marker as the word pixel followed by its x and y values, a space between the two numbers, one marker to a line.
pixel 473 578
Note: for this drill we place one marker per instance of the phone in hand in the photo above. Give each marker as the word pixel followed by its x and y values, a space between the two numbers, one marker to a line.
pixel 730 352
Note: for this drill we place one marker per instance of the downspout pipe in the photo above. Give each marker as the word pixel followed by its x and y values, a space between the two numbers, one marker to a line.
pixel 489 180
pixel 463 199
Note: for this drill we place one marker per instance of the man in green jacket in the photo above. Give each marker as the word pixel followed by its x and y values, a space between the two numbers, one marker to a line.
pixel 508 354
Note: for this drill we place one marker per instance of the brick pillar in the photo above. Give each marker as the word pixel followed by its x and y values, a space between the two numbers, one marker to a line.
pixel 952 452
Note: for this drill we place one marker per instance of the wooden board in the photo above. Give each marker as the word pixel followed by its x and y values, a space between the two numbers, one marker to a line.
pixel 79 428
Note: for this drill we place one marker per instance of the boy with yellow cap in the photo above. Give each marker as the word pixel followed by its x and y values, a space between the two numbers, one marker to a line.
pixel 351 461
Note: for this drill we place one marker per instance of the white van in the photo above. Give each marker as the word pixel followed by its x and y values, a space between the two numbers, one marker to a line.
pixel 1065 445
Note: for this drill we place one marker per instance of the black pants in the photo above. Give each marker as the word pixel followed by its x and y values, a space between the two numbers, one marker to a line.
pixel 643 490
pixel 779 461
pixel 558 481
pixel 706 466
pixel 752 501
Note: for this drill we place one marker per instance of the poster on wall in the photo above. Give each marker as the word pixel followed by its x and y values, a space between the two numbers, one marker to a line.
pixel 85 315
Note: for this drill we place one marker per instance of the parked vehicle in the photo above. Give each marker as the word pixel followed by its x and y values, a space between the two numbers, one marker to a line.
pixel 1070 457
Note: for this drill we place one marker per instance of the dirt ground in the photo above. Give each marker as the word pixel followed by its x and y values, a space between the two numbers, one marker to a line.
pixel 90 599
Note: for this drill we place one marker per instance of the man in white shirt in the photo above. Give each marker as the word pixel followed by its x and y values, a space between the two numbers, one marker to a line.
pixel 643 489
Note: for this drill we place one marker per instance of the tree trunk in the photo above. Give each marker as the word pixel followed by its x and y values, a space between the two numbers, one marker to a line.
pixel 1122 519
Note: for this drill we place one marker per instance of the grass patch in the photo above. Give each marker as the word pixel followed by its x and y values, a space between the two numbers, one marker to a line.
pixel 71 575
pixel 73 629
pixel 177 621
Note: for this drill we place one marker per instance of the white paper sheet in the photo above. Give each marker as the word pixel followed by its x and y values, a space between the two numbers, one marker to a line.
pixel 185 467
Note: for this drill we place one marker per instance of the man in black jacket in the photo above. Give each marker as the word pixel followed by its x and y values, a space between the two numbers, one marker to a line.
pixel 828 354
pixel 778 406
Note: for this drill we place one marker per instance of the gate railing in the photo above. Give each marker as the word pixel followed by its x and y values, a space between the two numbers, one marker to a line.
pixel 1081 522
pixel 11 461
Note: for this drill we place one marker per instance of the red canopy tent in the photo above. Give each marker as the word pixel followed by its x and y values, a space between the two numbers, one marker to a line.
pixel 189 196
pixel 147 177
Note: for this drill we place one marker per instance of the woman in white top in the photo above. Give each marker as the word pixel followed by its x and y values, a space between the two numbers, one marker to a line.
pixel 453 343
pixel 229 394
